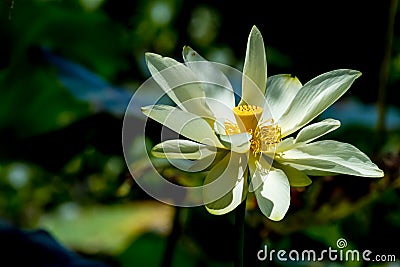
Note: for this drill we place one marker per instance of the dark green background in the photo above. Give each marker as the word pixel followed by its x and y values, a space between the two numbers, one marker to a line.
pixel 61 161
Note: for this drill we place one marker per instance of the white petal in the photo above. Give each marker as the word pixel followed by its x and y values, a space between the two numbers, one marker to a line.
pixel 184 123
pixel 179 82
pixel 316 130
pixel 230 201
pixel 225 186
pixel 254 70
pixel 308 134
pixel 239 143
pixel 314 97
pixel 182 149
pixel 286 144
pixel 296 178
pixel 219 126
pixel 203 164
pixel 220 109
pixel 259 167
pixel 281 89
pixel 330 157
pixel 216 85
pixel 273 197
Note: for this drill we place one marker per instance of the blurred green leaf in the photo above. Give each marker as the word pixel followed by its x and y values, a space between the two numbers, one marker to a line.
pixel 88 38
pixel 33 102
pixel 106 229
pixel 148 249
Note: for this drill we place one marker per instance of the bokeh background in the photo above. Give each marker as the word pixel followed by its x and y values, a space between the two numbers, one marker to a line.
pixel 69 67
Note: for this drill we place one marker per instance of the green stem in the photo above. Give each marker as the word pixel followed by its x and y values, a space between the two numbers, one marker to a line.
pixel 172 239
pixel 240 212
pixel 385 67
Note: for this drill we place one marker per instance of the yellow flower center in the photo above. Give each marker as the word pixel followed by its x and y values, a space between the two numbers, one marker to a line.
pixel 247 116
pixel 265 135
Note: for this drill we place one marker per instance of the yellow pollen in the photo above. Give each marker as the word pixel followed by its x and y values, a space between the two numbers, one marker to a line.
pixel 247 116
pixel 265 135
pixel 231 128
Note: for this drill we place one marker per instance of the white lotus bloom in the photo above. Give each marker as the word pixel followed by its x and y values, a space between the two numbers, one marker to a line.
pixel 248 143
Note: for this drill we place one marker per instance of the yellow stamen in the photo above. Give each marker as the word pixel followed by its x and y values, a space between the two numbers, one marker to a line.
pixel 231 128
pixel 265 137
